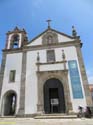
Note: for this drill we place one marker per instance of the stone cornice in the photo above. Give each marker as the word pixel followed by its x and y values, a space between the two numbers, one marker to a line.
pixel 56 62
pixel 54 71
pixel 16 30
pixel 41 47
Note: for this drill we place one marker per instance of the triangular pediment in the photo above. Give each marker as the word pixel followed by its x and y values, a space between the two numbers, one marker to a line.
pixel 51 35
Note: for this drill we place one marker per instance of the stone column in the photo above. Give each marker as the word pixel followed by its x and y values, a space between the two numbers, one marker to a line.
pixel 68 102
pixel 84 76
pixel 22 86
pixel 2 71
pixel 40 105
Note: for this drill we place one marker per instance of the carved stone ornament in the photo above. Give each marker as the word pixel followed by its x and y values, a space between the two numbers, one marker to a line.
pixel 50 38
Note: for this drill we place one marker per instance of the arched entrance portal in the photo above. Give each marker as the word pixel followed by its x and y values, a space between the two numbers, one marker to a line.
pixel 54 101
pixel 9 103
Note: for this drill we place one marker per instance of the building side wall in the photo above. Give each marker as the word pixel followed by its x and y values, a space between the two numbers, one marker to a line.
pixel 24 61
pixel 13 62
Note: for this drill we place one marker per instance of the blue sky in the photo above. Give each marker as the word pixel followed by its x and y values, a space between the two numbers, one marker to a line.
pixel 32 15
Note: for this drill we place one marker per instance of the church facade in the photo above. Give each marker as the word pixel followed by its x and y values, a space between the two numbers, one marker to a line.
pixel 46 75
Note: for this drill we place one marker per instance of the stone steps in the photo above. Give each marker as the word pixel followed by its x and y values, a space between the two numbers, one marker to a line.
pixel 45 116
pixel 55 116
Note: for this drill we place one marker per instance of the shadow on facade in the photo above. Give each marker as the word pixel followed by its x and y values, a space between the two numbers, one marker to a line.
pixel 9 103
pixel 54 101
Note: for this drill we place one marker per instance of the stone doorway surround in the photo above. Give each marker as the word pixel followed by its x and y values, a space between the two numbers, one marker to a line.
pixel 42 77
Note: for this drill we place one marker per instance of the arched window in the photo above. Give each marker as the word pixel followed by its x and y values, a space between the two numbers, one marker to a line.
pixel 15 41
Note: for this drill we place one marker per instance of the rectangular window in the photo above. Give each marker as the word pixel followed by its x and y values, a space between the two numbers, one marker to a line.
pixel 12 76
pixel 50 56
pixel 75 79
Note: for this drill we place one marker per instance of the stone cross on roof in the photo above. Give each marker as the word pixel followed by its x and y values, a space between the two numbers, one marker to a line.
pixel 48 23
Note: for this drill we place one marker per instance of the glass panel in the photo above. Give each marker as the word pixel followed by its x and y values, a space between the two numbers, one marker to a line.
pixel 50 56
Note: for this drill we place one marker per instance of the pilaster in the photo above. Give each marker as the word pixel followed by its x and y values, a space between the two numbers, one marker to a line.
pixel 2 71
pixel 22 86
pixel 84 76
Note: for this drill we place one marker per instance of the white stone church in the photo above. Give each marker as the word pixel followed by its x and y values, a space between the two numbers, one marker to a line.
pixel 46 75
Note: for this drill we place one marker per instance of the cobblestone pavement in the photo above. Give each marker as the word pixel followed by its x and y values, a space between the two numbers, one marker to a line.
pixel 31 121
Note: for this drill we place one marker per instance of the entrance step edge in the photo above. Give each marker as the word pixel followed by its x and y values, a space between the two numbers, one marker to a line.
pixel 55 116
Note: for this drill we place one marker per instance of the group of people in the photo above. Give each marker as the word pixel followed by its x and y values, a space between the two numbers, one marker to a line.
pixel 84 112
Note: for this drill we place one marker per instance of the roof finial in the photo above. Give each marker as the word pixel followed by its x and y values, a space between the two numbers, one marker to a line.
pixel 38 57
pixel 63 55
pixel 48 22
pixel 74 33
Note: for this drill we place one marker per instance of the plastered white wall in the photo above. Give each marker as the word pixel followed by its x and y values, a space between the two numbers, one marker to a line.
pixel 36 42
pixel 52 67
pixel 13 62
pixel 31 84
pixel 61 38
